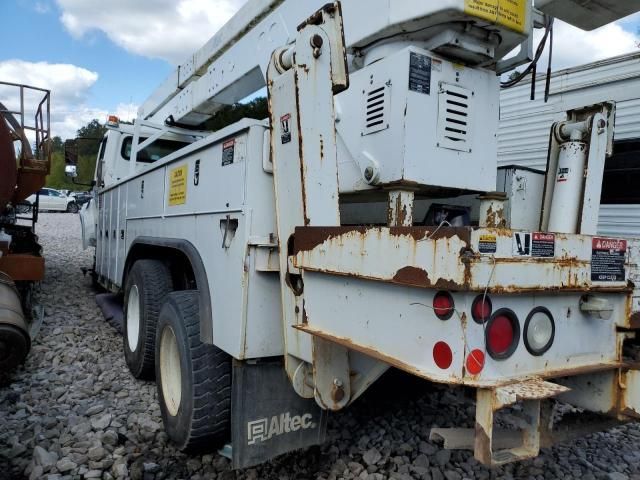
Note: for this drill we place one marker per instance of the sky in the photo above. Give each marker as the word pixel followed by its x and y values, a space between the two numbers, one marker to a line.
pixel 106 57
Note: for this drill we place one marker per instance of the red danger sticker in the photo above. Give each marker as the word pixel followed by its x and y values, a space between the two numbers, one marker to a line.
pixel 610 244
pixel 608 257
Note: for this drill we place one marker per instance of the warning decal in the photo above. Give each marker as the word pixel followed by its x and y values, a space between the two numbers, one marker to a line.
pixel 488 244
pixel 508 13
pixel 543 245
pixel 420 73
pixel 178 186
pixel 228 152
pixel 285 127
pixel 607 260
pixel 522 244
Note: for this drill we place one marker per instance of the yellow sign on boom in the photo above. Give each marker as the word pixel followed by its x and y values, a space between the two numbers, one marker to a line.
pixel 511 14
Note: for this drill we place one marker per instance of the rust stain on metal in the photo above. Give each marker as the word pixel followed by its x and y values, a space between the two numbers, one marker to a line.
pixel 307 238
pixel 337 393
pixel 634 321
pixel 301 152
pixel 413 276
pixel 495 218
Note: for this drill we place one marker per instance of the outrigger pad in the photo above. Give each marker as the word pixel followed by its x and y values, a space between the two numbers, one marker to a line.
pixel 268 418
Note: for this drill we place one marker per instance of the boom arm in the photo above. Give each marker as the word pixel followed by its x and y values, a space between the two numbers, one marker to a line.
pixel 233 63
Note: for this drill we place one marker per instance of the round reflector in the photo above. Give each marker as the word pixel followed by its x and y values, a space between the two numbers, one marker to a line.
pixel 442 355
pixel 539 331
pixel 475 362
pixel 481 309
pixel 502 334
pixel 443 305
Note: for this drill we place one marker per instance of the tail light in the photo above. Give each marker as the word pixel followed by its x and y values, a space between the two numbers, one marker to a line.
pixel 443 305
pixel 539 331
pixel 475 362
pixel 502 334
pixel 442 355
pixel 481 309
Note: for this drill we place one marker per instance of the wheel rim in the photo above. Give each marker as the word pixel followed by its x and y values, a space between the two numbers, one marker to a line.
pixel 133 318
pixel 170 373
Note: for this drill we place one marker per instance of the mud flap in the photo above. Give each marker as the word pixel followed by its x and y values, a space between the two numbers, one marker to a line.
pixel 268 418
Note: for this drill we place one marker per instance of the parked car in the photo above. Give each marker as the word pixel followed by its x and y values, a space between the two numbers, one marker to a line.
pixel 55 200
pixel 81 197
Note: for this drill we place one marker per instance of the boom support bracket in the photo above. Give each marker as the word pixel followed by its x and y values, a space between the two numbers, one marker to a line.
pixel 302 80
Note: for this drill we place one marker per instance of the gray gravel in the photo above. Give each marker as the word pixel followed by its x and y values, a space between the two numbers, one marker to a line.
pixel 74 412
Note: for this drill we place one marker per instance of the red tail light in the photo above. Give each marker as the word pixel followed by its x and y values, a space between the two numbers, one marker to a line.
pixel 443 305
pixel 481 309
pixel 475 362
pixel 442 355
pixel 502 334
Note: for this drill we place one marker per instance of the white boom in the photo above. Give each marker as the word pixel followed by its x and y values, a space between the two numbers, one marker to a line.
pixel 233 63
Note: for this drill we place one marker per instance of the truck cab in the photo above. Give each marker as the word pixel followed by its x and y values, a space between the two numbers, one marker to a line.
pixel 114 157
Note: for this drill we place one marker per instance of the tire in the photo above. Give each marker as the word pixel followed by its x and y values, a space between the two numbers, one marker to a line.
pixel 195 403
pixel 148 282
pixel 72 207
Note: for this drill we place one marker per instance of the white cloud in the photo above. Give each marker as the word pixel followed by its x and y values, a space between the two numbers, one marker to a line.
pixel 69 86
pixel 572 46
pixel 167 29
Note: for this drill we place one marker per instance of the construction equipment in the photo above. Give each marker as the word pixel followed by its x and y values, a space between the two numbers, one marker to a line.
pixel 272 271
pixel 22 173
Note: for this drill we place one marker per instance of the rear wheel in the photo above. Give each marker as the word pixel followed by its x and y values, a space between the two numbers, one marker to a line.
pixel 148 284
pixel 72 207
pixel 193 379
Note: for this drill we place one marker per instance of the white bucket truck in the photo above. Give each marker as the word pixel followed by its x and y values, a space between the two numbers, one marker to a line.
pixel 273 270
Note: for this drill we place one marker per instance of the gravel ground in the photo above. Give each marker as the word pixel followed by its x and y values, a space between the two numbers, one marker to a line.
pixel 73 411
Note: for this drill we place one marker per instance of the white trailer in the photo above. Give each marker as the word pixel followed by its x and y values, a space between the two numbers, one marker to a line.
pixel 524 126
pixel 261 299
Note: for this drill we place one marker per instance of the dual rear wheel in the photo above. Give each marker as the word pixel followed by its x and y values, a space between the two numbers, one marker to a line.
pixel 162 339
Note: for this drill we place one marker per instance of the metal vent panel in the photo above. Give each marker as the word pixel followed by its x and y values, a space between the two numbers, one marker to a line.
pixel 454 118
pixel 377 101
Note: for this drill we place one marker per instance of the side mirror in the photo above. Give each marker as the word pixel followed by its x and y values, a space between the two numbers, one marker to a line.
pixel 71 171
pixel 70 152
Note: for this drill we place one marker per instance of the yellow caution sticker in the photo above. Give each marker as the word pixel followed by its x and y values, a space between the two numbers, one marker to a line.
pixel 511 14
pixel 488 244
pixel 178 186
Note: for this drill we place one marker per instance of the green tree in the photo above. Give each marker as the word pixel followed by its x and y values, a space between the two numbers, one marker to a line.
pixel 257 108
pixel 88 138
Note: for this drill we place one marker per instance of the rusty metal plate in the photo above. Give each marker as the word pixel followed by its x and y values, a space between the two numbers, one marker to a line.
pixel 22 267
pixel 446 258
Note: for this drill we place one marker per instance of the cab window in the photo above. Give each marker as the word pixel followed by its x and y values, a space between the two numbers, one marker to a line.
pixel 154 152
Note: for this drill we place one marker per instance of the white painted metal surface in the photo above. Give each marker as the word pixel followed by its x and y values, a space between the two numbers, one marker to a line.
pixel 438 134
pixel 525 125
pixel 245 300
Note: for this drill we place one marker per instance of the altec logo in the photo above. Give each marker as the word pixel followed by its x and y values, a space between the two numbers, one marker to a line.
pixel 267 428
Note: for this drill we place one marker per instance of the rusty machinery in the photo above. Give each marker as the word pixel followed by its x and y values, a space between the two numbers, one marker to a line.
pixel 25 160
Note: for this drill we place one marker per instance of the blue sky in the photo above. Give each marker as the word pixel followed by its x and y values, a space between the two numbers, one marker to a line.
pixel 123 77
pixel 102 57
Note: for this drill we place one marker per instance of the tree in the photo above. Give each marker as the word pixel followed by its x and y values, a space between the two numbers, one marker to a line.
pixel 89 138
pixel 257 108
pixel 57 145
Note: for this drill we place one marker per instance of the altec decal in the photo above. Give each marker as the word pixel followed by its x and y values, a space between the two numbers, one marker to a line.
pixel 267 428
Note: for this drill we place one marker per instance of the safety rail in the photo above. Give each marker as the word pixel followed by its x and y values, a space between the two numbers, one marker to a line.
pixel 41 125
